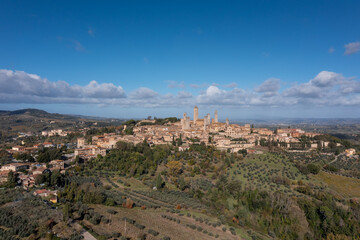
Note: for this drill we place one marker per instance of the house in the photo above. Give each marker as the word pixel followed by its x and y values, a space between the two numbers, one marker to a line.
pixel 45 193
pixel 15 167
pixel 54 199
pixel 18 148
pixel 183 148
pixel 90 151
pixel 38 171
pixel 27 181
pixel 4 176
pixel 60 164
pixel 349 152
pixel 48 144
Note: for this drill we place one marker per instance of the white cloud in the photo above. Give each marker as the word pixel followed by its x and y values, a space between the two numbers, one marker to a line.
pixel 271 85
pixel 231 85
pixel 184 94
pixel 325 89
pixel 78 46
pixel 331 50
pixel 175 84
pixel 27 86
pixel 143 93
pixel 91 32
pixel 327 79
pixel 352 48
pixel 197 86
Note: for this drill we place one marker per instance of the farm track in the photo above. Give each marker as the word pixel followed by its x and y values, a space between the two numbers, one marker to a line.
pixel 155 201
pixel 136 198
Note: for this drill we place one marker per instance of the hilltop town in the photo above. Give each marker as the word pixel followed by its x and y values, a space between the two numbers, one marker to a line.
pixel 190 177
pixel 223 136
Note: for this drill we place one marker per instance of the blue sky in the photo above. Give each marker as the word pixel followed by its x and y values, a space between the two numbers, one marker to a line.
pixel 248 59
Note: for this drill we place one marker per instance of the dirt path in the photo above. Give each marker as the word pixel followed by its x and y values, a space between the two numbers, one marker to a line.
pixel 88 236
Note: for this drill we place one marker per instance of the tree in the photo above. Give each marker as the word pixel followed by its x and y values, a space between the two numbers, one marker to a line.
pixel 48 154
pixel 312 168
pixel 159 182
pixel 234 189
pixel 182 183
pixel 174 167
pixel 222 183
pixel 66 211
pixel 24 157
pixel 39 179
pixel 179 141
pixel 332 145
pixel 12 179
pixel 4 156
pixel 129 131
pixel 173 140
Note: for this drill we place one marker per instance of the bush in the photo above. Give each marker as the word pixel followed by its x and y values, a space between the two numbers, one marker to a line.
pixel 153 232
pixel 139 226
pixel 312 168
pixel 129 220
pixel 112 211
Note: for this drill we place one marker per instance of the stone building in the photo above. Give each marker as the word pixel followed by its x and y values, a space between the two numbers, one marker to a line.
pixel 196 114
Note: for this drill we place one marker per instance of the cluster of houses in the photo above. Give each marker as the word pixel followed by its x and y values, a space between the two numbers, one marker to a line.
pixel 27 172
pixel 55 132
pixel 224 136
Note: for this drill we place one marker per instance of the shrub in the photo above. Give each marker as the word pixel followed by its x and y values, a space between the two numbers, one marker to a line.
pixel 141 236
pixel 139 226
pixel 112 211
pixel 129 203
pixel 153 232
pixel 131 221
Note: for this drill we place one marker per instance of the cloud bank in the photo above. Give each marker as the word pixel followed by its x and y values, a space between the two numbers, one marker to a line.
pixel 352 48
pixel 325 89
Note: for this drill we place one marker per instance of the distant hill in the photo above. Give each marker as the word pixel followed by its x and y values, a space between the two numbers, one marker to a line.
pixel 37 120
pixel 36 113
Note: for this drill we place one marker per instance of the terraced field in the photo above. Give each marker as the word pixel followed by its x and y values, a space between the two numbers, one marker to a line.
pixel 346 187
pixel 159 224
pixel 267 171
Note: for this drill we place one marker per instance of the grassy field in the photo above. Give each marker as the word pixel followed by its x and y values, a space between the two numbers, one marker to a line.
pixel 153 219
pixel 158 204
pixel 258 171
pixel 344 186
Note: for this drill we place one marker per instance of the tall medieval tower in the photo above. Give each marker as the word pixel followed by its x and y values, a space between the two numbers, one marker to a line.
pixel 216 116
pixel 196 114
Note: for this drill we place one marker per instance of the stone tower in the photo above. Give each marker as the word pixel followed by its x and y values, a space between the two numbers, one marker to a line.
pixel 196 114
pixel 207 121
pixel 185 122
pixel 227 122
pixel 216 117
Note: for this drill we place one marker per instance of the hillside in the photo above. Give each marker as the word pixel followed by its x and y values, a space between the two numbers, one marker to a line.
pixel 34 120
